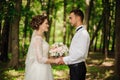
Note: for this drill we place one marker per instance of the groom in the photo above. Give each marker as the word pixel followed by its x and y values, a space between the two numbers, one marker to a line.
pixel 78 49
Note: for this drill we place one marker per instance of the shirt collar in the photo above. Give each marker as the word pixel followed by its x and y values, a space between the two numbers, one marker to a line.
pixel 79 27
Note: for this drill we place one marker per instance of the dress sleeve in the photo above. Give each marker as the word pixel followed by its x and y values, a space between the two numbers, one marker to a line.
pixel 39 50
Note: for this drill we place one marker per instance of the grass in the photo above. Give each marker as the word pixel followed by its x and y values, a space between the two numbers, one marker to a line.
pixel 97 69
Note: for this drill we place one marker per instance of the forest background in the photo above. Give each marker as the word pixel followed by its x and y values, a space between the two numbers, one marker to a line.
pixel 102 20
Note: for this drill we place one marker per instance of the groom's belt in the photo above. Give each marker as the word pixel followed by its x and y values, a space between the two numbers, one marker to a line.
pixel 77 64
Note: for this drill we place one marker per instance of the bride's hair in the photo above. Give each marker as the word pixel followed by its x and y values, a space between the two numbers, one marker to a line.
pixel 37 21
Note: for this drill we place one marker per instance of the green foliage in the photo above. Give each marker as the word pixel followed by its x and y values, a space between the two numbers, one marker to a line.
pixel 59 67
pixel 7 9
pixel 12 75
pixel 95 71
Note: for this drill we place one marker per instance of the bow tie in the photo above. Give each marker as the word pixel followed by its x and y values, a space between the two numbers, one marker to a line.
pixel 79 28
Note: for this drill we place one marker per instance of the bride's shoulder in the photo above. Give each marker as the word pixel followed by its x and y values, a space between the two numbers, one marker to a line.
pixel 38 38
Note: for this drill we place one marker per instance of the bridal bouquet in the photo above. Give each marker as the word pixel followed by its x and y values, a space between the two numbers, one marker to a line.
pixel 58 50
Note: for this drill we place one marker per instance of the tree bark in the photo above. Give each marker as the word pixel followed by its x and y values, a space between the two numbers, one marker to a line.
pixel 106 26
pixel 117 26
pixel 15 35
pixel 4 32
pixel 95 46
pixel 64 22
pixel 0 38
pixel 5 40
pixel 1 9
pixel 113 41
pixel 54 23
pixel 49 13
pixel 26 22
pixel 89 5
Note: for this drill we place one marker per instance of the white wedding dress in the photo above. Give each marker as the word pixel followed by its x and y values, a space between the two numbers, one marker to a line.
pixel 35 67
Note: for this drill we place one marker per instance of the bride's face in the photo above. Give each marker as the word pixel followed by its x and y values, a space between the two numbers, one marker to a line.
pixel 44 26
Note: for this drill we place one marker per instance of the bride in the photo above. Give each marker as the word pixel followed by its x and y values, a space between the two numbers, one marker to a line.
pixel 37 64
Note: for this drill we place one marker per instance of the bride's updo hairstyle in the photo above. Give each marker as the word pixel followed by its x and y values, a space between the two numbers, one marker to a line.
pixel 37 21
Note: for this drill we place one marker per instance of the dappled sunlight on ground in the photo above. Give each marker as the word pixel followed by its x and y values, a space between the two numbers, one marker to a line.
pixel 60 72
pixel 61 75
pixel 107 64
pixel 98 68
pixel 13 75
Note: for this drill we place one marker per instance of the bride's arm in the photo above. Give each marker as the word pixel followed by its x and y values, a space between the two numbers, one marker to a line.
pixel 39 52
pixel 51 61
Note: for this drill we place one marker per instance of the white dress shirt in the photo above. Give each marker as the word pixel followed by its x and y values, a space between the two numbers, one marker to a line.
pixel 79 47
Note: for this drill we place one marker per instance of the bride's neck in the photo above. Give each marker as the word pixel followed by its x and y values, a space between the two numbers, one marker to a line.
pixel 40 33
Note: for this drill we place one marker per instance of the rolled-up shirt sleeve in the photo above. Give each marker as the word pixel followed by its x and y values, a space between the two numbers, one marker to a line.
pixel 79 48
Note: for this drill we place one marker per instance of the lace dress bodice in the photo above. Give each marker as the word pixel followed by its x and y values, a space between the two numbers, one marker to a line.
pixel 35 64
pixel 38 49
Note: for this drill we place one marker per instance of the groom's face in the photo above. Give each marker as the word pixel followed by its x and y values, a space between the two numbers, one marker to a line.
pixel 72 19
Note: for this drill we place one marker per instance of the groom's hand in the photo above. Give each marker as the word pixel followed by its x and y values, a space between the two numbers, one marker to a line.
pixel 60 60
pixel 57 60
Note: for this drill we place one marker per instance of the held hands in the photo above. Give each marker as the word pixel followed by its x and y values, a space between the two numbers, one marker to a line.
pixel 59 60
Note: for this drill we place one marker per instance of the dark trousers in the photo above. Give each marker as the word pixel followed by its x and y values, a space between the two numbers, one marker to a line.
pixel 77 71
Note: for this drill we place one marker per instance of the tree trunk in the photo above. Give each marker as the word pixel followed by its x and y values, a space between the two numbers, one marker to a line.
pixel 5 40
pixel 117 26
pixel 113 25
pixel 4 33
pixel 89 5
pixel 1 9
pixel 64 22
pixel 113 41
pixel 54 25
pixel 101 41
pixel 25 27
pixel 106 27
pixel 15 35
pixel 49 10
pixel 0 37
pixel 98 28
pixel 95 47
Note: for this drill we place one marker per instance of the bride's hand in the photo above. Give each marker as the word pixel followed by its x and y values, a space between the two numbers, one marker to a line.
pixel 57 60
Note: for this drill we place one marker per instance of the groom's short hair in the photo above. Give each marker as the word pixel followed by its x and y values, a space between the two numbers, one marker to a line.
pixel 78 12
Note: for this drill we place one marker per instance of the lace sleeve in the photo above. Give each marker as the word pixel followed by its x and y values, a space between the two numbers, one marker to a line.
pixel 39 50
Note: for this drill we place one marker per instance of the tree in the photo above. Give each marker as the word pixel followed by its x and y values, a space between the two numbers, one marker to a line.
pixel 5 31
pixel 15 34
pixel 49 13
pixel 89 5
pixel 4 39
pixel 106 26
pixel 64 22
pixel 117 28
pixel 26 22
